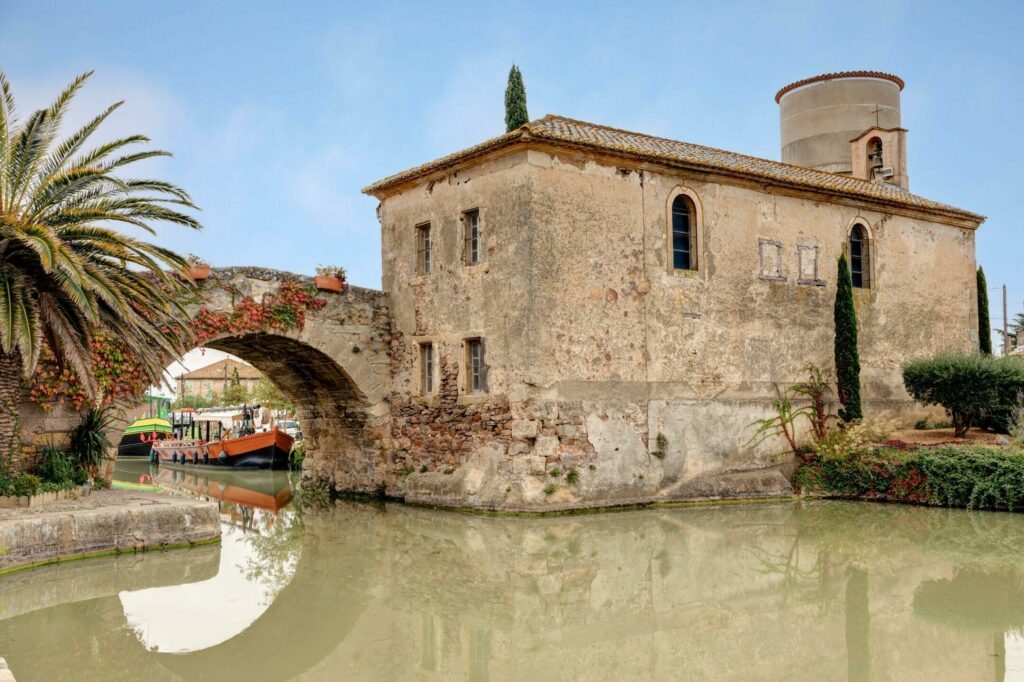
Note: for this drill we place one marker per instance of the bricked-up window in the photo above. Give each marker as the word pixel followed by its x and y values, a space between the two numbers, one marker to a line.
pixel 860 257
pixel 423 249
pixel 476 366
pixel 471 248
pixel 426 368
pixel 684 256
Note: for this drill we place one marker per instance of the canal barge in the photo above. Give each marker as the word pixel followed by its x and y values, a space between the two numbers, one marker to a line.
pixel 248 450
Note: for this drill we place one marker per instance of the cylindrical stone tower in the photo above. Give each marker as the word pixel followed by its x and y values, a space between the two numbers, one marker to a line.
pixel 819 116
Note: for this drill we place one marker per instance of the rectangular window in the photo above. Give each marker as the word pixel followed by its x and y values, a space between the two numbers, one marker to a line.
pixel 770 255
pixel 807 263
pixel 426 368
pixel 471 250
pixel 476 366
pixel 423 249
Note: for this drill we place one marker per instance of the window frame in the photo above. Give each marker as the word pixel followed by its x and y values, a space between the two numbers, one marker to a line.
pixel 426 367
pixel 696 232
pixel 476 365
pixel 860 261
pixel 424 249
pixel 471 242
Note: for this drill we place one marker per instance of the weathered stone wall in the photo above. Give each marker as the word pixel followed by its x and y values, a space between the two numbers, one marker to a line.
pixel 454 302
pixel 640 380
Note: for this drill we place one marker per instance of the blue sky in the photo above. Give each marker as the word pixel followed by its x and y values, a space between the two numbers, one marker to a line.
pixel 279 113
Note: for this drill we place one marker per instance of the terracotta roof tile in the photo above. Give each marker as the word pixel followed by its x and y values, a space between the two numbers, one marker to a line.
pixel 571 132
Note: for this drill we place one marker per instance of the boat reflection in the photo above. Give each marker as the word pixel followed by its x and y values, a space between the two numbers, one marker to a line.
pixel 253 489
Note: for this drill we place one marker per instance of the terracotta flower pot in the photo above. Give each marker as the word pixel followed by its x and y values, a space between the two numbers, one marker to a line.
pixel 199 272
pixel 330 283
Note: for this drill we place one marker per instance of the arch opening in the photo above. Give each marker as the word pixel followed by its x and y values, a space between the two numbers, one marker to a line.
pixel 339 426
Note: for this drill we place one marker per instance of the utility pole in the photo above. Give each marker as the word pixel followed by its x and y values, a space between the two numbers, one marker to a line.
pixel 1006 330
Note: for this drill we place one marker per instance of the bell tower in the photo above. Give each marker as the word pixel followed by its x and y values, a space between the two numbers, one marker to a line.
pixel 846 123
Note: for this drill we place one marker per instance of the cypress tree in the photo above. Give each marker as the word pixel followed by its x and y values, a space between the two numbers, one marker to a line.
pixel 515 101
pixel 984 324
pixel 847 357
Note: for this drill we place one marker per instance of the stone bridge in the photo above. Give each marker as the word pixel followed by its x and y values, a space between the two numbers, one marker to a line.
pixel 335 369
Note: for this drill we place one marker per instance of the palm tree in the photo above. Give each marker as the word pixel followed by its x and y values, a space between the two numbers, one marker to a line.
pixel 65 272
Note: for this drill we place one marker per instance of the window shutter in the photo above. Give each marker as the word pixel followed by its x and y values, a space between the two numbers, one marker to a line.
pixel 483 366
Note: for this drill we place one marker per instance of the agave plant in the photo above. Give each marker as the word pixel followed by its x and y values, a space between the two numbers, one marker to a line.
pixel 65 271
pixel 89 442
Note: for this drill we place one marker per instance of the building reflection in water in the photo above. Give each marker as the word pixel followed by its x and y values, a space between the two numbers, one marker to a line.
pixel 823 590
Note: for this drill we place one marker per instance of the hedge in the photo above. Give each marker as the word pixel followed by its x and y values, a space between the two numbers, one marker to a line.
pixel 951 476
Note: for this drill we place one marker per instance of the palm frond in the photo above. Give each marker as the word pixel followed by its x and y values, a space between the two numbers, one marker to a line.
pixel 66 272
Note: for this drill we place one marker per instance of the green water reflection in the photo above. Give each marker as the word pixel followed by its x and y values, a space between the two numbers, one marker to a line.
pixel 815 591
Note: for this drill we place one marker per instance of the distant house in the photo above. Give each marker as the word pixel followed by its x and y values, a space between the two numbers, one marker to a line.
pixel 210 381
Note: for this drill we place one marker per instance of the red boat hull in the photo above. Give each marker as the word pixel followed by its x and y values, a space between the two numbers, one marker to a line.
pixel 266 450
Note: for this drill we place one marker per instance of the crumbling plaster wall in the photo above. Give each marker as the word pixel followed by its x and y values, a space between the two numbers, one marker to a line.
pixel 599 347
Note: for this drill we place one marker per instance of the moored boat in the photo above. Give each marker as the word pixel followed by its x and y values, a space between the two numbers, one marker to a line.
pixel 249 450
pixel 141 434
pixel 264 450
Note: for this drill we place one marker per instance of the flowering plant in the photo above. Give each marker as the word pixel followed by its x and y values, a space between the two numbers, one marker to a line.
pixel 331 271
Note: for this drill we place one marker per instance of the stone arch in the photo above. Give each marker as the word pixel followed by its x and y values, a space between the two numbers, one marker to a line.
pixel 335 368
pixel 344 419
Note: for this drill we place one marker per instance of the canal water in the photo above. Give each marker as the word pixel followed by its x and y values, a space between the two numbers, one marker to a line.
pixel 809 591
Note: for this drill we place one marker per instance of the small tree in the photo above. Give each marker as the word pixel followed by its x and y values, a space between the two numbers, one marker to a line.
pixel 984 324
pixel 1013 331
pixel 515 101
pixel 268 395
pixel 234 392
pixel 847 356
pixel 968 385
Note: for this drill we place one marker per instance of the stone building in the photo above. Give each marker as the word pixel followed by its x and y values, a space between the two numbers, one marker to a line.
pixel 575 298
pixel 212 380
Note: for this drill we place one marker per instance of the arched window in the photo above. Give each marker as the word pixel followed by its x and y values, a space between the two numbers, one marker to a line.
pixel 684 255
pixel 860 257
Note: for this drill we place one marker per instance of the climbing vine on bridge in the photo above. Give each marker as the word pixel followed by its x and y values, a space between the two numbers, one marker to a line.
pixel 120 375
pixel 280 311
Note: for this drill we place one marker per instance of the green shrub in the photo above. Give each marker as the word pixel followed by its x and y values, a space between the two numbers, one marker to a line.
pixel 297 456
pixel 1015 423
pixel 572 477
pixel 56 466
pixel 968 385
pixel 25 485
pixel 999 417
pixel 970 477
pixel 852 439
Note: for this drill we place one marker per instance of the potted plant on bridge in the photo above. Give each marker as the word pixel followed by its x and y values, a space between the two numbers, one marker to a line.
pixel 331 278
pixel 197 269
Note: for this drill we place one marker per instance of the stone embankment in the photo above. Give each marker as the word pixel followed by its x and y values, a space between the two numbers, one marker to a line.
pixel 105 522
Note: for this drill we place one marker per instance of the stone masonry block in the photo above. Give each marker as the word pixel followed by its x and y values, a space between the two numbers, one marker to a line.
pixel 525 428
pixel 547 446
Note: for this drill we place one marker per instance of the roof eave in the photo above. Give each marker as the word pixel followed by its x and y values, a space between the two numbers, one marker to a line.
pixel 395 183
